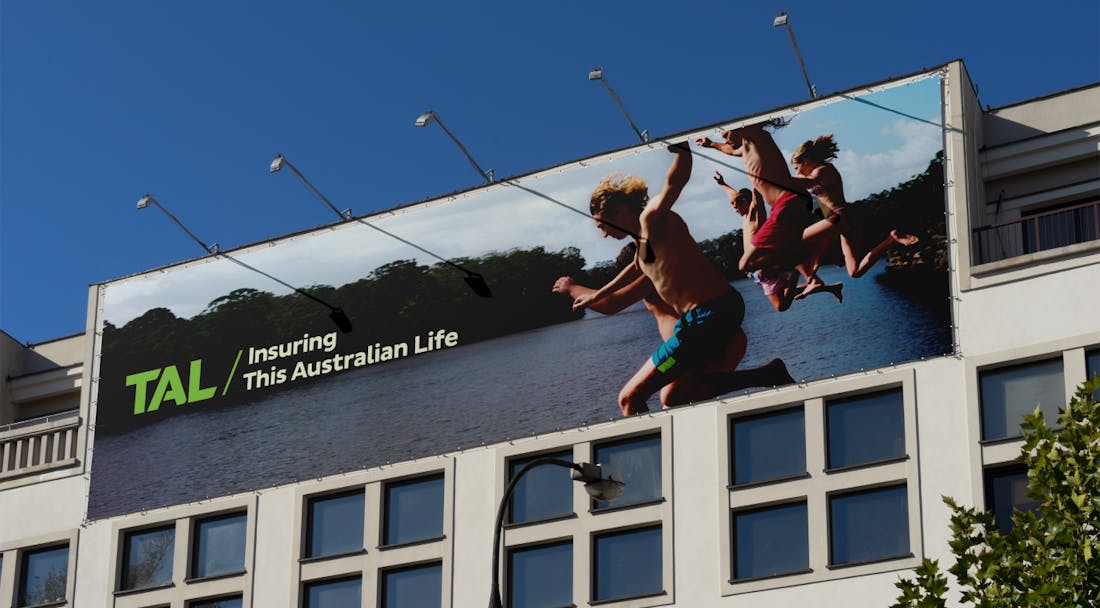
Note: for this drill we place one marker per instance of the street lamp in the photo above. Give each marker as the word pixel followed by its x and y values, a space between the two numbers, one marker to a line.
pixel 430 117
pixel 337 315
pixel 596 73
pixel 591 475
pixel 475 281
pixel 783 19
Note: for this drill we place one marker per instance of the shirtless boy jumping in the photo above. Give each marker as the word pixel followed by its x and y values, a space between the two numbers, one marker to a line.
pixel 708 341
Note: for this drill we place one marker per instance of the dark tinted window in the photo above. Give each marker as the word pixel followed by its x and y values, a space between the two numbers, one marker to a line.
pixel 147 557
pixel 767 447
pixel 45 576
pixel 414 510
pixel 1009 393
pixel 770 541
pixel 340 593
pixel 219 545
pixel 541 577
pixel 418 587
pixel 223 602
pixel 628 564
pixel 869 525
pixel 335 524
pixel 1006 493
pixel 545 491
pixel 865 428
pixel 637 463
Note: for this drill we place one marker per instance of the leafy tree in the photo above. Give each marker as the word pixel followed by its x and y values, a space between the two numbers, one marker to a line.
pixel 1051 557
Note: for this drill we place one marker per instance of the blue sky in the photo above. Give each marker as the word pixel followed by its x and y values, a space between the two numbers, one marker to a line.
pixel 102 102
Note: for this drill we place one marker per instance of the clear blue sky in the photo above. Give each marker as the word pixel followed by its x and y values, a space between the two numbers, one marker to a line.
pixel 103 101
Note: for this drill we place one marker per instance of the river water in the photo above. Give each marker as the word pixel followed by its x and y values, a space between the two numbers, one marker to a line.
pixel 535 382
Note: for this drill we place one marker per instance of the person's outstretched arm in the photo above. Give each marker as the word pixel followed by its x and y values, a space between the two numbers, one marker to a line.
pixel 678 175
pixel 628 275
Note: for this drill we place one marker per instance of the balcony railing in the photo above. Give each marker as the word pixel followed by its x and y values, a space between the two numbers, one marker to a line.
pixel 39 445
pixel 1039 232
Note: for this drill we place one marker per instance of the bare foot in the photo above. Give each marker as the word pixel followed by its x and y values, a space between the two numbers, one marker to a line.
pixel 904 239
pixel 809 287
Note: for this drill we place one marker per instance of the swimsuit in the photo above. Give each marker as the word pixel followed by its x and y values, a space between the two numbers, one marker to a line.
pixel 783 228
pixel 774 282
pixel 702 334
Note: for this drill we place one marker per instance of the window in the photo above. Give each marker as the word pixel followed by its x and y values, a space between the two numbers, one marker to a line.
pixel 541 576
pixel 414 510
pixel 1006 493
pixel 223 602
pixel 340 593
pixel 45 576
pixel 544 492
pixel 768 447
pixel 335 524
pixel 635 461
pixel 1092 368
pixel 865 429
pixel 771 541
pixel 1009 393
pixel 619 544
pixel 218 545
pixel 868 525
pixel 628 564
pixel 416 587
pixel 147 558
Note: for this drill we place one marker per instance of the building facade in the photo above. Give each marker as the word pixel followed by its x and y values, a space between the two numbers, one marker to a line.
pixel 819 493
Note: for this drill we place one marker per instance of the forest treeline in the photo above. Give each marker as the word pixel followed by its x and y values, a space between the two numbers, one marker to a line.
pixel 403 299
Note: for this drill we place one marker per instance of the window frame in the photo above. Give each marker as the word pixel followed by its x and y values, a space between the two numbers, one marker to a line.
pixel 13 553
pixel 183 589
pixel 987 454
pixel 586 522
pixel 375 557
pixel 820 482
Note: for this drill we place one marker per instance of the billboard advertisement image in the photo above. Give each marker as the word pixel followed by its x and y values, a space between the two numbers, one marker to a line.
pixel 788 247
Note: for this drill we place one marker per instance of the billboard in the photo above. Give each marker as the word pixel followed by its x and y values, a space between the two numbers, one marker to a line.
pixel 214 379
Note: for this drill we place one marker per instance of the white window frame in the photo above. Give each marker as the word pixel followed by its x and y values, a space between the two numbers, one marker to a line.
pixel 584 524
pixel 998 452
pixel 820 483
pixel 184 589
pixel 12 572
pixel 375 558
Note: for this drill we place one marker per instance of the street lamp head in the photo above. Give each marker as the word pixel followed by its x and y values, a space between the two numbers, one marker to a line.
pixel 598 487
pixel 425 119
pixel 144 201
pixel 595 74
pixel 781 19
pixel 277 163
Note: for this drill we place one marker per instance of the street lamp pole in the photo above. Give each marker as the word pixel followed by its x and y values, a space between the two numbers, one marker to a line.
pixel 591 475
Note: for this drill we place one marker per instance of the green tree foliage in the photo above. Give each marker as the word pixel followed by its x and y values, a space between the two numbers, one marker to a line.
pixel 1049 559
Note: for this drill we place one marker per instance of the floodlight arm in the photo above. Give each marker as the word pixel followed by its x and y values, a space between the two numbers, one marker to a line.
pixel 474 280
pixel 587 473
pixel 642 135
pixel 148 198
pixel 790 32
pixel 338 316
pixel 488 176
pixel 305 181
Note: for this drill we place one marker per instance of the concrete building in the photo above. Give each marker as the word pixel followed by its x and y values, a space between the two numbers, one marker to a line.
pixel 758 499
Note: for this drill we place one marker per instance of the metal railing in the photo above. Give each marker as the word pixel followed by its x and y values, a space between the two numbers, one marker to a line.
pixel 1039 232
pixel 39 445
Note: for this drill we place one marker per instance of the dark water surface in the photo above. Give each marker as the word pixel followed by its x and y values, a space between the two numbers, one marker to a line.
pixel 525 384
